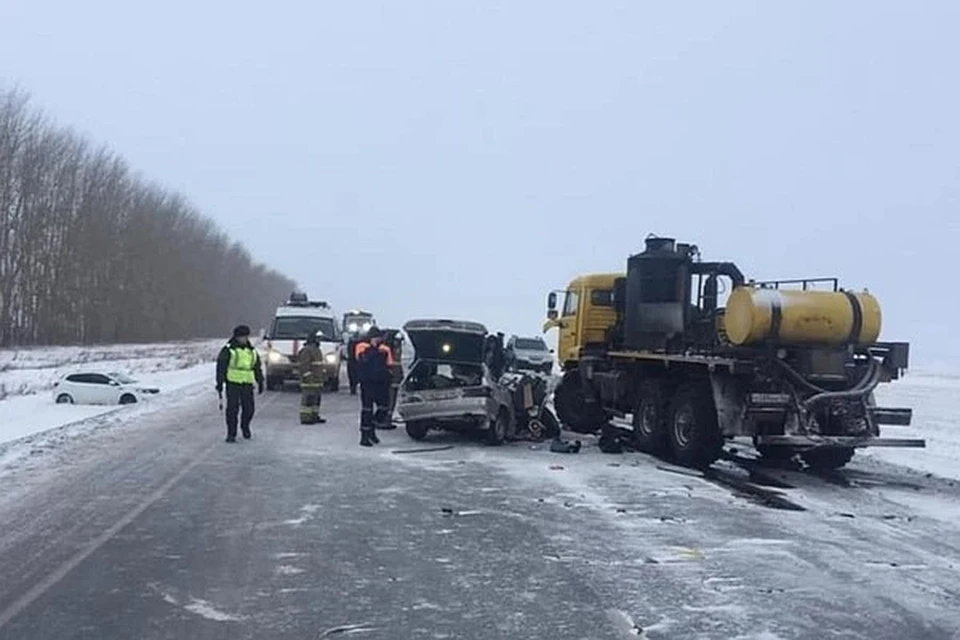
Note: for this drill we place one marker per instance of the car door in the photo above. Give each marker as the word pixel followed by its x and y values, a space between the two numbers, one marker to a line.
pixel 104 389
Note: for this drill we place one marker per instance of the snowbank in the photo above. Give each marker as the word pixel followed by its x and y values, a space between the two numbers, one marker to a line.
pixel 27 375
pixel 32 370
pixel 934 397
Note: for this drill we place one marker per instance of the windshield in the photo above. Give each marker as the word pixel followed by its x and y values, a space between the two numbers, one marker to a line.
pixel 122 378
pixel 530 344
pixel 302 327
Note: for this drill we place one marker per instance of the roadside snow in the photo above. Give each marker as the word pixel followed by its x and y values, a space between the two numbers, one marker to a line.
pixel 27 375
pixel 933 398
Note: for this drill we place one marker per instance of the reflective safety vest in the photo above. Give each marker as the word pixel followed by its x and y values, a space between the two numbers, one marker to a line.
pixel 242 363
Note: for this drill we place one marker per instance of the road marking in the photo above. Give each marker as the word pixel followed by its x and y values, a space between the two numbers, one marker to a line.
pixel 44 585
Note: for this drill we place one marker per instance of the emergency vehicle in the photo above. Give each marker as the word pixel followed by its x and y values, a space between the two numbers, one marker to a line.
pixel 292 324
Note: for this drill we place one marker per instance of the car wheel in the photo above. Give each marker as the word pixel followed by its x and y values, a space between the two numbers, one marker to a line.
pixel 417 430
pixel 64 398
pixel 128 398
pixel 496 433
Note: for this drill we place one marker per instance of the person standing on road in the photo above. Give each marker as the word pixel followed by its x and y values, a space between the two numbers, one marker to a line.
pixel 312 378
pixel 239 369
pixel 374 361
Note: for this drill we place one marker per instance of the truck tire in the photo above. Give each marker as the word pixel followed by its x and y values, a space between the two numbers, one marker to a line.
pixel 573 410
pixel 333 384
pixel 650 419
pixel 827 458
pixel 417 430
pixel 692 429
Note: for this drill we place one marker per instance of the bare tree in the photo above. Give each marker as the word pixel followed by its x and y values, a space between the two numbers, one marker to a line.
pixel 90 252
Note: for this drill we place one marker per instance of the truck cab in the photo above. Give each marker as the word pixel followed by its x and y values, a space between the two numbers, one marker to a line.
pixel 586 318
pixel 293 323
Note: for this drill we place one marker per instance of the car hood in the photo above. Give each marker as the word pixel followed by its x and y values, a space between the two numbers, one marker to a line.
pixel 446 340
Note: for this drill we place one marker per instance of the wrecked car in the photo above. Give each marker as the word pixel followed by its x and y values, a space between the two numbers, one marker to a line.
pixel 450 385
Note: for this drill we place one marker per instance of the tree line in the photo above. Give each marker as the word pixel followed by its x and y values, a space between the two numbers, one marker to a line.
pixel 92 253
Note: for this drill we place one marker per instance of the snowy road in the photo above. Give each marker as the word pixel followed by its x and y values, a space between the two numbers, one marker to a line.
pixel 161 530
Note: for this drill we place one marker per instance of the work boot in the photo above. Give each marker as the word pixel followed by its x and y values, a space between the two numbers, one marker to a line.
pixel 229 439
pixel 365 439
pixel 373 437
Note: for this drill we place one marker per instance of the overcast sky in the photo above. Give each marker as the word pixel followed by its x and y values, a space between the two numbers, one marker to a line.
pixel 463 158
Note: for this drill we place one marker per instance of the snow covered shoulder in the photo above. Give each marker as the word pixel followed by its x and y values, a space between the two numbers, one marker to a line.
pixel 28 405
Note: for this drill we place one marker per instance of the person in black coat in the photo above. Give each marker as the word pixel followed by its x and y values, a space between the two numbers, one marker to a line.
pixel 239 369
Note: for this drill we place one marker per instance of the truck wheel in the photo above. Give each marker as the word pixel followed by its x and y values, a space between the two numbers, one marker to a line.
pixel 650 419
pixel 572 407
pixel 496 434
pixel 272 384
pixel 692 428
pixel 417 430
pixel 827 458
pixel 333 385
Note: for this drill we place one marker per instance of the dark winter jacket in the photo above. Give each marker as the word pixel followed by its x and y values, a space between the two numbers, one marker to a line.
pixel 223 362
pixel 374 363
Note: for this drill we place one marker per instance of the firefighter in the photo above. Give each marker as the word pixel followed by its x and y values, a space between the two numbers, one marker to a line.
pixel 239 369
pixel 312 379
pixel 374 361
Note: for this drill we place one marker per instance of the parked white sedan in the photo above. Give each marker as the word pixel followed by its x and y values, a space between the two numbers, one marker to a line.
pixel 92 387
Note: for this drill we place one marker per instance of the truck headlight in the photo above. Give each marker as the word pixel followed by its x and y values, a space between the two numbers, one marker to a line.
pixel 274 358
pixel 353 327
pixel 332 358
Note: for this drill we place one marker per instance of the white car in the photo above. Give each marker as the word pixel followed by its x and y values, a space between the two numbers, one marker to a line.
pixel 94 387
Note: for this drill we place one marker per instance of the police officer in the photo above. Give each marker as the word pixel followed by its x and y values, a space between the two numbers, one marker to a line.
pixel 239 368
pixel 312 379
pixel 374 361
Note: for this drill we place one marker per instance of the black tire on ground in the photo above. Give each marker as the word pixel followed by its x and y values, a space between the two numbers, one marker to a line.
pixel 827 458
pixel 273 384
pixel 417 429
pixel 650 419
pixel 64 398
pixel 128 398
pixel 692 429
pixel 333 385
pixel 573 410
pixel 775 453
pixel 497 433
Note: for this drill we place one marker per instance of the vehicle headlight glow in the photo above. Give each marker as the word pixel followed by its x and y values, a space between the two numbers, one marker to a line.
pixel 274 357
pixel 366 326
pixel 353 327
pixel 446 348
pixel 332 358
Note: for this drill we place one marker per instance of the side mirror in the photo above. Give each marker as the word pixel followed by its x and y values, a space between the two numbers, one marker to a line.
pixel 552 314
pixel 552 300
pixel 114 383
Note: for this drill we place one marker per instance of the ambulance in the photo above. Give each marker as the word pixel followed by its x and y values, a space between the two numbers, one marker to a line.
pixel 293 323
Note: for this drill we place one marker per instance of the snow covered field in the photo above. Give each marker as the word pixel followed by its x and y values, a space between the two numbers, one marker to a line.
pixel 27 376
pixel 934 397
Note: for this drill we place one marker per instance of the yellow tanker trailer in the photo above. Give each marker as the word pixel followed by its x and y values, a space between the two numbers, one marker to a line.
pixel 791 364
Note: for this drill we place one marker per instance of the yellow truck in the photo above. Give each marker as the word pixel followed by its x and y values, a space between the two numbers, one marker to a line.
pixel 792 364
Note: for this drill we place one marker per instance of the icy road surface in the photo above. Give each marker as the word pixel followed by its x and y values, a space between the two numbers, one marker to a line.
pixel 161 530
